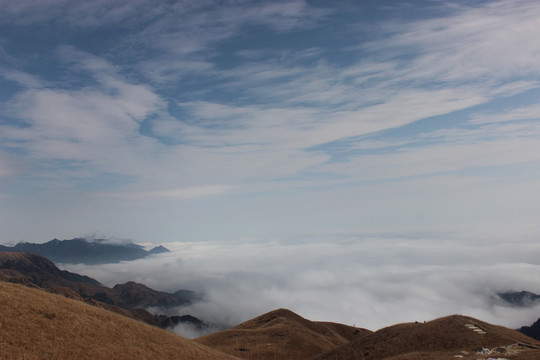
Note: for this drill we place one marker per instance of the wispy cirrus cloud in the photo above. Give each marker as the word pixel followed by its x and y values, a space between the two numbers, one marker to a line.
pixel 90 125
pixel 181 193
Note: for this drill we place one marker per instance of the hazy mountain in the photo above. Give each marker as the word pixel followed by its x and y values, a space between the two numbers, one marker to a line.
pixel 519 298
pixel 79 250
pixel 36 270
pixel 134 295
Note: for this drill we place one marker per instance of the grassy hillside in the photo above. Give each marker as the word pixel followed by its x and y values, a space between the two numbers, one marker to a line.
pixel 438 339
pixel 39 325
pixel 281 334
pixel 37 271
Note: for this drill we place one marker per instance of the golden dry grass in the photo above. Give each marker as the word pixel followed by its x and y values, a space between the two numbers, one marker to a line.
pixel 35 324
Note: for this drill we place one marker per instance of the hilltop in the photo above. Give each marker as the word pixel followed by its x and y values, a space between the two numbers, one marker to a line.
pixel 442 338
pixel 281 334
pixel 86 251
pixel 39 325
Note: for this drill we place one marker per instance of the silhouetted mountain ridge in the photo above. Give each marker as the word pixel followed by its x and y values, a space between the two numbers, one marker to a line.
pixel 134 294
pixel 40 271
pixel 85 251
pixel 532 331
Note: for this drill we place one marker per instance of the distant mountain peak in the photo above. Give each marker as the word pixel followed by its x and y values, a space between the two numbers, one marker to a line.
pixel 159 250
pixel 520 298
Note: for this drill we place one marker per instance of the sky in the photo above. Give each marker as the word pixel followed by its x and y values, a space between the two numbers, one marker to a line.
pixel 166 121
pixel 406 129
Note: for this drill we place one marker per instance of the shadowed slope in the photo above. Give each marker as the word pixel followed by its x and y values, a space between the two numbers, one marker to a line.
pixel 27 268
pixel 281 334
pixel 532 331
pixel 438 339
pixel 38 270
pixel 39 325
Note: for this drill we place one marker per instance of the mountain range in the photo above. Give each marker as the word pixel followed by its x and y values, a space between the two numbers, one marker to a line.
pixel 86 251
pixel 128 299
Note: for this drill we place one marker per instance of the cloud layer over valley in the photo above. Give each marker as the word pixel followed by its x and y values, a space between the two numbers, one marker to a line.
pixel 363 280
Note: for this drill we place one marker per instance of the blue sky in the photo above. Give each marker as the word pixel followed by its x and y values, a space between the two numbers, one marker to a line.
pixel 186 121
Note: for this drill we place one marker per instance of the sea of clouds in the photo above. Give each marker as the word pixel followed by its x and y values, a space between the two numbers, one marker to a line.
pixel 366 281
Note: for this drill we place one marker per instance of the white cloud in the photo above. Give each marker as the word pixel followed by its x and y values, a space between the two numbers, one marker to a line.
pixel 531 112
pixel 95 126
pixel 439 158
pixel 488 42
pixel 250 134
pixel 24 79
pixel 181 193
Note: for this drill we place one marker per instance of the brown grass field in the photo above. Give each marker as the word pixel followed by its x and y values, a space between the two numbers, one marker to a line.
pixel 35 324
pixel 282 334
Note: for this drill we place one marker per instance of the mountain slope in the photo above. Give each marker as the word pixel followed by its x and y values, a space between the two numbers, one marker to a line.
pixel 78 250
pixel 35 270
pixel 39 325
pixel 281 334
pixel 438 339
